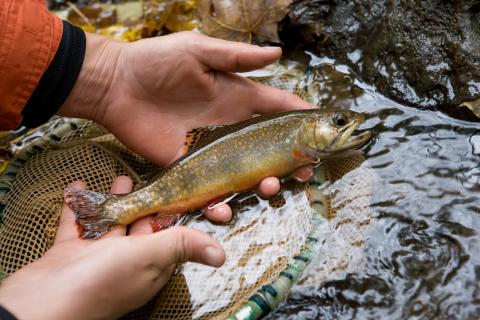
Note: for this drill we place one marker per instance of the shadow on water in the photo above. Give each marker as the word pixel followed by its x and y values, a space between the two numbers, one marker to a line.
pixel 422 260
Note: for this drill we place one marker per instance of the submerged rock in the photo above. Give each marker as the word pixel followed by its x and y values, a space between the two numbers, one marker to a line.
pixel 421 53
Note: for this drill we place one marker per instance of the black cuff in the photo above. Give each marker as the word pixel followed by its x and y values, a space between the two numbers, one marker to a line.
pixel 5 315
pixel 59 79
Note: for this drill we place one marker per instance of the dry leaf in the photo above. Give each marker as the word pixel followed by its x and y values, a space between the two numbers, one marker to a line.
pixel 474 106
pixel 94 15
pixel 181 17
pixel 242 20
pixel 131 21
pixel 174 15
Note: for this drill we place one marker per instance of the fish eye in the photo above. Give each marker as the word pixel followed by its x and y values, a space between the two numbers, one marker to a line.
pixel 340 120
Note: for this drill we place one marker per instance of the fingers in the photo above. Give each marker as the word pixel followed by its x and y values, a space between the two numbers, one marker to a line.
pixel 182 244
pixel 303 174
pixel 271 186
pixel 228 56
pixel 268 187
pixel 220 213
pixel 120 185
pixel 67 228
pixel 267 99
pixel 141 226
pixel 231 56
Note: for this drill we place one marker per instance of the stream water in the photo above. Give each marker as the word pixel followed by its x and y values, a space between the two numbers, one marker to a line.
pixel 423 255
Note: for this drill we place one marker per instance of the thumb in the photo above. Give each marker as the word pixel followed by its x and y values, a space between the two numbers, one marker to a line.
pixel 182 244
pixel 231 56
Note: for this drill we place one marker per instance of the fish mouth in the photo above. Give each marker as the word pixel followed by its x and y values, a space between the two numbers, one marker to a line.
pixel 349 138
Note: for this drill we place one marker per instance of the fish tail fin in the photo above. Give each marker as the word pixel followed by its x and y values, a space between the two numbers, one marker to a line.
pixel 89 208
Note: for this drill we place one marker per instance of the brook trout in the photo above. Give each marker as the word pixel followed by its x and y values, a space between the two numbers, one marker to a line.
pixel 222 161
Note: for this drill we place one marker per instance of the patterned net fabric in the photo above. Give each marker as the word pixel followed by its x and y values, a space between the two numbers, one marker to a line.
pixel 265 237
pixel 350 222
pixel 256 253
pixel 34 202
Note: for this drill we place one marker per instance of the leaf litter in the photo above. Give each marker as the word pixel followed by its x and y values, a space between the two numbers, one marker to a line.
pixel 235 20
pixel 242 20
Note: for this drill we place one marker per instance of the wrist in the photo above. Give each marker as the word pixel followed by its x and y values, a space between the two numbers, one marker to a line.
pixel 38 297
pixel 89 96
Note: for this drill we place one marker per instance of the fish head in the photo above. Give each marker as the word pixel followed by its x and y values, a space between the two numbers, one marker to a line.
pixel 330 132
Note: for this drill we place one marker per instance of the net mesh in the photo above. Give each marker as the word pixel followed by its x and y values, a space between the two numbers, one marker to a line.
pixel 94 156
pixel 259 245
pixel 34 202
pixel 350 222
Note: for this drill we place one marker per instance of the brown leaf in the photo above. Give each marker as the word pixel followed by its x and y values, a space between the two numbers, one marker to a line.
pixel 94 15
pixel 181 17
pixel 242 20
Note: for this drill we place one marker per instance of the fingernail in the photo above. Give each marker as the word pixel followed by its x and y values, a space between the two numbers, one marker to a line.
pixel 214 256
pixel 223 213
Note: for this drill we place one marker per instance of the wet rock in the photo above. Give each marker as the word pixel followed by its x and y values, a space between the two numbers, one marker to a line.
pixel 421 53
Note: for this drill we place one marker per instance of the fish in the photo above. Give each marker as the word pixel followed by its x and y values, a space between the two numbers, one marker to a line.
pixel 223 161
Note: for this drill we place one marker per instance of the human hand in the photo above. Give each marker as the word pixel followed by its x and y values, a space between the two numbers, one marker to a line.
pixel 105 278
pixel 150 93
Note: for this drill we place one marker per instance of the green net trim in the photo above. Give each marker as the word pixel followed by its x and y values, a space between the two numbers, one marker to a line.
pixel 270 296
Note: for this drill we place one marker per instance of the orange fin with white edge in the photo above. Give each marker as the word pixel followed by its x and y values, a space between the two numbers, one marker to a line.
pixel 161 222
pixel 92 219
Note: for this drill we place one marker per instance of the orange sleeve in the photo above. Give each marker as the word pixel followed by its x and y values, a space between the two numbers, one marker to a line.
pixel 29 39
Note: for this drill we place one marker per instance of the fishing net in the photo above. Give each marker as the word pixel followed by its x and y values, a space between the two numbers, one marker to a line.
pixel 268 246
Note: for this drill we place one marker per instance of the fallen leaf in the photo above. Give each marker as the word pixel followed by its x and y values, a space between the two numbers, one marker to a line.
pixel 122 33
pixel 94 15
pixel 242 20
pixel 181 17
pixel 474 106
pixel 174 15
pixel 129 12
pixel 155 15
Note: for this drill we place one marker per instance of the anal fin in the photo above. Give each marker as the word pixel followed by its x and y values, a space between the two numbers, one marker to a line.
pixel 161 222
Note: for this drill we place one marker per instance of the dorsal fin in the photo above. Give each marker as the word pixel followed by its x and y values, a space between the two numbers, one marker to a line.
pixel 195 139
pixel 199 137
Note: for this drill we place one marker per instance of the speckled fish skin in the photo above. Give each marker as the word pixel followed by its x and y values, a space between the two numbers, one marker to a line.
pixel 231 159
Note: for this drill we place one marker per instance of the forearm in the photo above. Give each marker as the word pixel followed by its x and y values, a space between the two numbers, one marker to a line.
pixel 44 292
pixel 29 304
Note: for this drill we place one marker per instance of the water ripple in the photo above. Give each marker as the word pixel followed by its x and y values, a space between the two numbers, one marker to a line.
pixel 423 258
